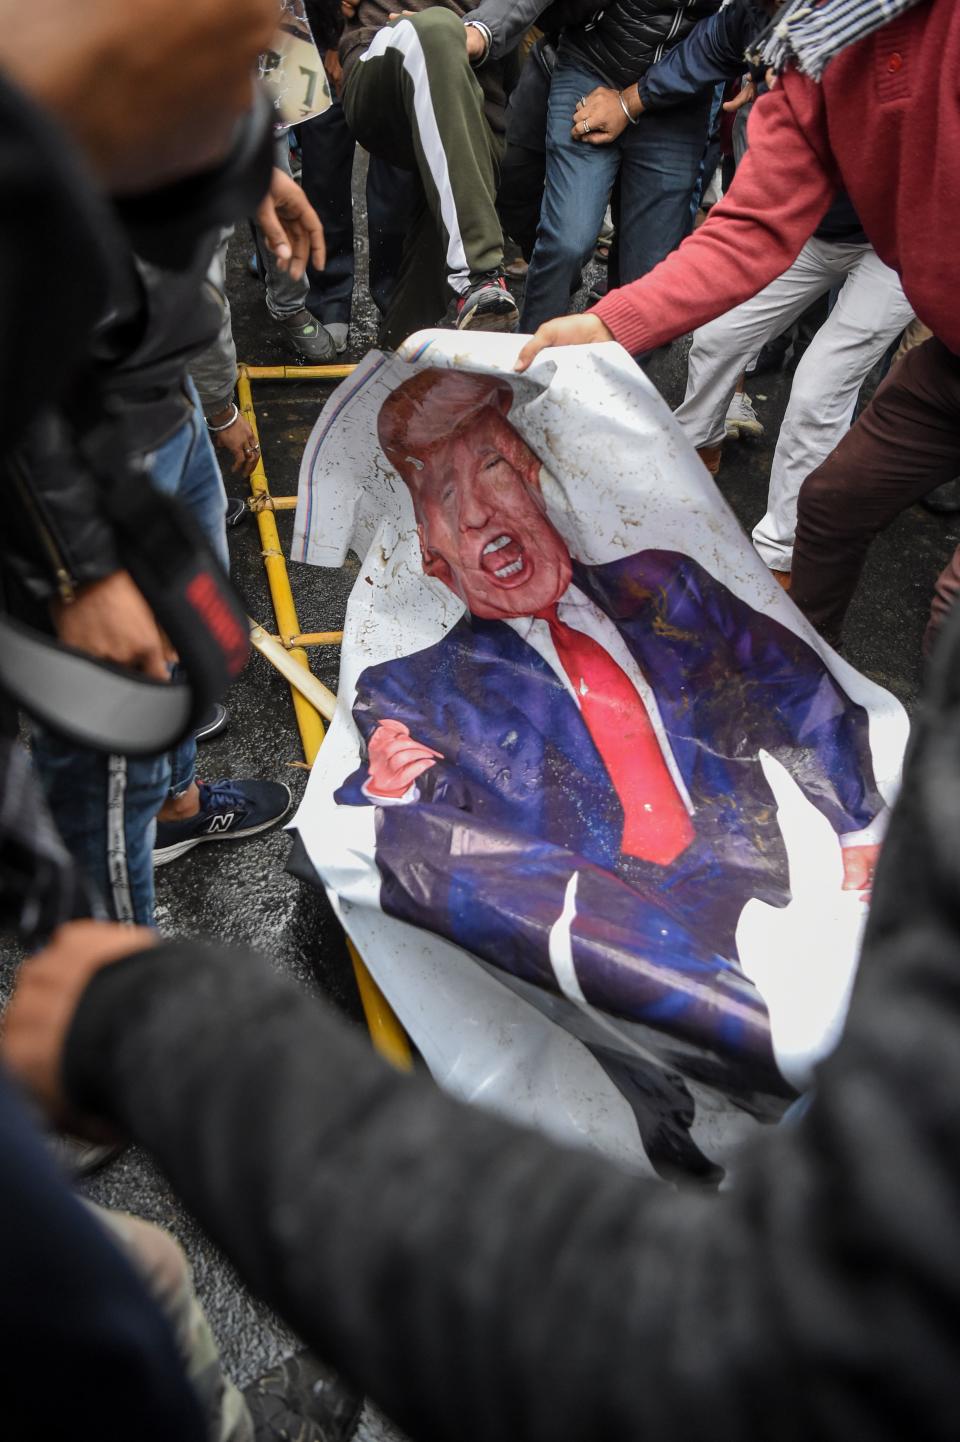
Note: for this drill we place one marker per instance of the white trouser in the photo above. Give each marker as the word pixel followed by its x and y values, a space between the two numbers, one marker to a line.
pixel 870 311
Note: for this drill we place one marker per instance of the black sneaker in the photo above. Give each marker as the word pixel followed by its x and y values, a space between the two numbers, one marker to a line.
pixel 307 338
pixel 229 811
pixel 237 511
pixel 944 500
pixel 79 1158
pixel 487 305
pixel 213 722
pixel 302 1401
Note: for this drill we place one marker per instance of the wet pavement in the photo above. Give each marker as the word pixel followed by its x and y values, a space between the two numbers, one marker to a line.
pixel 241 892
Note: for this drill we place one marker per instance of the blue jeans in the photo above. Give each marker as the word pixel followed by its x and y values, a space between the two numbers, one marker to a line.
pixel 656 161
pixel 106 807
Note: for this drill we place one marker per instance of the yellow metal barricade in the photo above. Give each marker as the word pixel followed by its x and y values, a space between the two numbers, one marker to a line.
pixel 291 658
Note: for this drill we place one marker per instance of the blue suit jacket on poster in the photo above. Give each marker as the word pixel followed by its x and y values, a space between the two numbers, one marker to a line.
pixel 522 800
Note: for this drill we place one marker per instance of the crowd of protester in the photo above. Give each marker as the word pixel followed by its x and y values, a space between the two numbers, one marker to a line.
pixel 472 1278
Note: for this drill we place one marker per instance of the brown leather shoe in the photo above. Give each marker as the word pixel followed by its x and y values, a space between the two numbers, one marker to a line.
pixel 710 455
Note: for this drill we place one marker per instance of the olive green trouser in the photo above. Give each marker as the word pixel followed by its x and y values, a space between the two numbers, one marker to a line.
pixel 413 99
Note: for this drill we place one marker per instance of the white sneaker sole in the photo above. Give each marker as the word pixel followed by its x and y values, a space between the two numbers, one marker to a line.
pixel 505 317
pixel 163 854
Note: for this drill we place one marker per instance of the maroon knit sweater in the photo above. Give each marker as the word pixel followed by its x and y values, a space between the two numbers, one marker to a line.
pixel 885 125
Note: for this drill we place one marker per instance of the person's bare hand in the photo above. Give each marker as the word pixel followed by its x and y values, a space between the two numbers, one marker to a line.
pixel 110 620
pixel 149 91
pixel 349 8
pixel 599 118
pixel 859 864
pixel 291 226
pixel 238 442
pixel 48 991
pixel 476 43
pixel 565 330
pixel 395 760
pixel 745 96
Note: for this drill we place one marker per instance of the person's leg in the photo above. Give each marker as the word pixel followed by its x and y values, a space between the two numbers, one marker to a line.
pixel 945 593
pixel 327 149
pixel 413 99
pixel 523 168
pixel 579 179
pixel 905 444
pixel 420 287
pixel 186 467
pixel 710 157
pixel 284 295
pixel 105 808
pixel 286 298
pixel 660 160
pixel 870 312
pixel 192 812
pixel 394 198
pixel 161 1262
pixel 722 348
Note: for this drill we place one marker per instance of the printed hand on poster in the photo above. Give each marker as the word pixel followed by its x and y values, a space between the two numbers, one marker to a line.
pixel 591 732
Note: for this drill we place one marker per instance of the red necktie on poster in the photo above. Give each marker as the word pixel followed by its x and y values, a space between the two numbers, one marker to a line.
pixel 656 824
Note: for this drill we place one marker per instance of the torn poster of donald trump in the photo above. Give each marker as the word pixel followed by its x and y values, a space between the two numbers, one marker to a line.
pixel 586 750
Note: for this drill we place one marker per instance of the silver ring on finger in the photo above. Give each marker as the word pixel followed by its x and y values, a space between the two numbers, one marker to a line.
pixel 585 126
pixel 583 100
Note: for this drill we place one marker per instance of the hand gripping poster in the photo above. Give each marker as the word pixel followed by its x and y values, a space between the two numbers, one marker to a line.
pixel 598 807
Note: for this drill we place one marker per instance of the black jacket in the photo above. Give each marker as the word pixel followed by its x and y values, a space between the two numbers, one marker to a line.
pixel 58 238
pixel 71 1307
pixel 481 1283
pixel 57 534
pixel 713 50
pixel 631 35
pixel 61 249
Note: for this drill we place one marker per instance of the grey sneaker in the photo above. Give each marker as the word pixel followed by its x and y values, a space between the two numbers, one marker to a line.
pixel 300 1400
pixel 742 420
pixel 338 331
pixel 305 336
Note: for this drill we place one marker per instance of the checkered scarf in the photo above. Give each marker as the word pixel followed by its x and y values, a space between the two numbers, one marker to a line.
pixel 808 35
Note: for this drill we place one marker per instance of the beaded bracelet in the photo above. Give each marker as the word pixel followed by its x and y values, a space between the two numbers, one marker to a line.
pixel 633 119
pixel 215 430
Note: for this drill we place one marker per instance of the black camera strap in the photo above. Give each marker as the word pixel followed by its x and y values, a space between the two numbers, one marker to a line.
pixel 106 707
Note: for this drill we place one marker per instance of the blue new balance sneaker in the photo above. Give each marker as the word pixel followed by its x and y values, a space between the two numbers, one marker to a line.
pixel 229 811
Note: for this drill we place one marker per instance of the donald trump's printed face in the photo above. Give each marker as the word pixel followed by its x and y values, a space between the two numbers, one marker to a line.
pixel 481 517
pixel 483 525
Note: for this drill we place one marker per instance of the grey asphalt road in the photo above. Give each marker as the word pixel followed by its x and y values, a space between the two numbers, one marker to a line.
pixel 241 892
